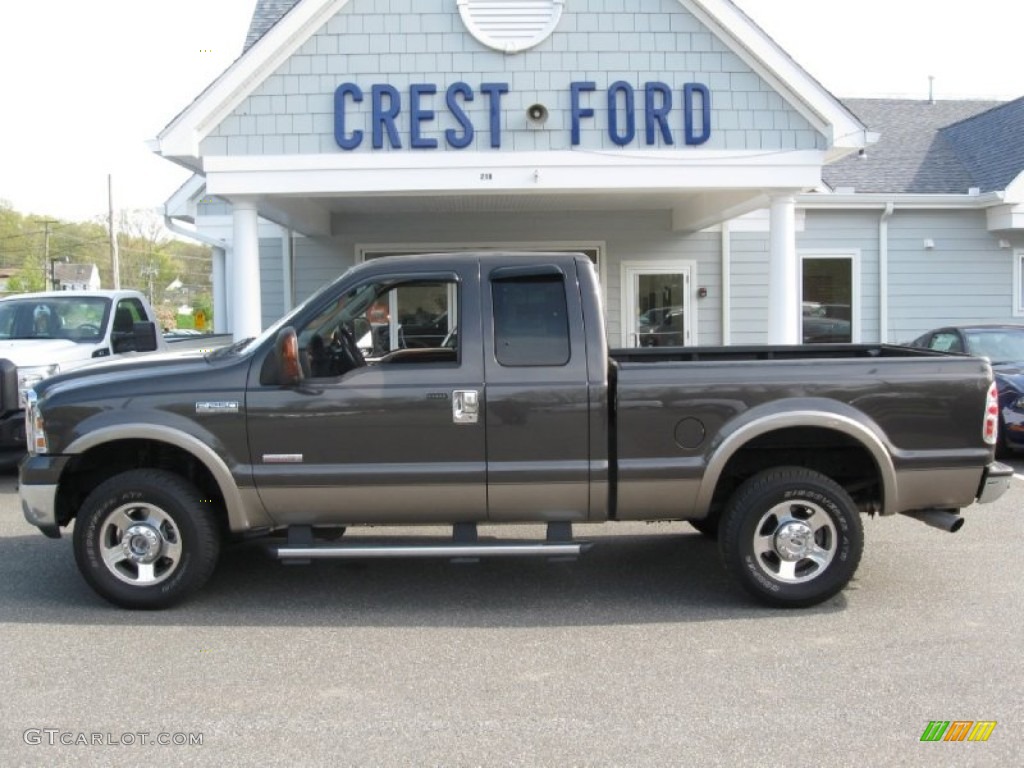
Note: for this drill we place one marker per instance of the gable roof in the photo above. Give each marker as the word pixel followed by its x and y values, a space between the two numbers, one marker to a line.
pixel 941 147
pixel 265 15
pixel 279 27
pixel 991 145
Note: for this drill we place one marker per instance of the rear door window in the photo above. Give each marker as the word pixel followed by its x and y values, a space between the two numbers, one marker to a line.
pixel 531 326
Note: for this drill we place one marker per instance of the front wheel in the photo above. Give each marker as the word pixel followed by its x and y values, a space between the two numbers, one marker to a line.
pixel 792 537
pixel 144 539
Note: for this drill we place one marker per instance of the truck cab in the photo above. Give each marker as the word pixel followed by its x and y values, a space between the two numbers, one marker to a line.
pixel 42 334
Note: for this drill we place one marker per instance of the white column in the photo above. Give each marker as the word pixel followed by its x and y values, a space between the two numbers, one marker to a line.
pixel 220 291
pixel 246 301
pixel 783 279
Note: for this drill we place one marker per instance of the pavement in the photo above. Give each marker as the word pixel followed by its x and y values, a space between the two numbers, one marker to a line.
pixel 640 653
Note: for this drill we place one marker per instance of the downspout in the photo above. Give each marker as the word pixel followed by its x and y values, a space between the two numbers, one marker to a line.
pixel 220 313
pixel 287 270
pixel 726 284
pixel 883 272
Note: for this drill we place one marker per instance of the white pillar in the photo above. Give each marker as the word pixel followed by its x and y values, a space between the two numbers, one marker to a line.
pixel 246 301
pixel 783 280
pixel 220 291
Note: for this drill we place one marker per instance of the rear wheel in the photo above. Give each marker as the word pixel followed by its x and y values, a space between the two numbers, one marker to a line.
pixel 144 539
pixel 791 537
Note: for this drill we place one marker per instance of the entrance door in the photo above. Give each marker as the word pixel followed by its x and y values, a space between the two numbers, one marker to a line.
pixel 657 309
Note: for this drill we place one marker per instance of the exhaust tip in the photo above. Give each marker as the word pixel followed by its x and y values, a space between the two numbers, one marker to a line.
pixel 942 519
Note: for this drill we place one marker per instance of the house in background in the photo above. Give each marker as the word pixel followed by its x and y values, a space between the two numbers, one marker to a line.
pixel 75 277
pixel 6 273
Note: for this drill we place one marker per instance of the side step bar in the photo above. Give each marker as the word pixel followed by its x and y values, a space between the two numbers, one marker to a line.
pixel 464 546
pixel 370 551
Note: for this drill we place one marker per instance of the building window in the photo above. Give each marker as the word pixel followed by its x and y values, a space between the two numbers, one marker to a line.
pixel 829 300
pixel 1018 284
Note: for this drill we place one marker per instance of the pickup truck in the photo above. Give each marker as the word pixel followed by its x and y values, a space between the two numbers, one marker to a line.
pixel 520 414
pixel 46 333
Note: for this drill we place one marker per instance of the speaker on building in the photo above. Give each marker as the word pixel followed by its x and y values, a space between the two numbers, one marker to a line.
pixel 537 114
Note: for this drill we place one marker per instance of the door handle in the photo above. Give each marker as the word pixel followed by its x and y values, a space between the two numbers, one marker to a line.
pixel 465 406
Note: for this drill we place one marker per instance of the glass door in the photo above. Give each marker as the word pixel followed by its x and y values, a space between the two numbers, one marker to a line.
pixel 657 312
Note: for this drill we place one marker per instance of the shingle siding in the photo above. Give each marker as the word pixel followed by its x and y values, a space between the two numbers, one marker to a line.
pixel 681 50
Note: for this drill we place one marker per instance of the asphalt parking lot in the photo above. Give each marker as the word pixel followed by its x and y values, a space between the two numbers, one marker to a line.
pixel 640 653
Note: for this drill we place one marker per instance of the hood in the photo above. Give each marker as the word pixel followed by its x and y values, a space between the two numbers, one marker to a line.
pixel 30 352
pixel 129 370
pixel 1009 376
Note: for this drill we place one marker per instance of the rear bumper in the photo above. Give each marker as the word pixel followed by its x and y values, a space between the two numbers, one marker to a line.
pixel 994 482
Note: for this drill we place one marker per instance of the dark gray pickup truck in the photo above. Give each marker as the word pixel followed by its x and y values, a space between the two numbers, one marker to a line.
pixel 341 417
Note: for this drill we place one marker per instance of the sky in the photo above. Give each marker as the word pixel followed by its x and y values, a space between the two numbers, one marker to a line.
pixel 86 83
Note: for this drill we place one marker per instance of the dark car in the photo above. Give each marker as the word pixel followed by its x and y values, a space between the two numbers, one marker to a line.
pixel 668 332
pixel 1003 345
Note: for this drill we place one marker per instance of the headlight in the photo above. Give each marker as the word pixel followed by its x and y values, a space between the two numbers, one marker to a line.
pixel 31 375
pixel 1018 404
pixel 35 434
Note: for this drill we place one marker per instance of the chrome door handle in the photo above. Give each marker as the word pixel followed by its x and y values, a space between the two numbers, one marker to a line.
pixel 465 406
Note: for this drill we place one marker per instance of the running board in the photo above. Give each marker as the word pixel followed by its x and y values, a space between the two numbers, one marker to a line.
pixel 464 546
pixel 371 551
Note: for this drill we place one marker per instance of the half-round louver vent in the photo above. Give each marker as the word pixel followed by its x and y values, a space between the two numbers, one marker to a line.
pixel 511 25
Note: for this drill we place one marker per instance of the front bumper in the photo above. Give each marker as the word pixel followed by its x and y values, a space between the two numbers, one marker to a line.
pixel 12 437
pixel 37 487
pixel 994 482
pixel 39 505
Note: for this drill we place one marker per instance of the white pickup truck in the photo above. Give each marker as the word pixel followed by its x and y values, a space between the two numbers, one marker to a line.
pixel 42 334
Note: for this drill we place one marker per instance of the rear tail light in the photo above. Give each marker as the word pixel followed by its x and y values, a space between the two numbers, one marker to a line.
pixel 990 430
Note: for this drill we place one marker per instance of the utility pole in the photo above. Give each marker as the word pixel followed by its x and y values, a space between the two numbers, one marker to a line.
pixel 46 248
pixel 115 263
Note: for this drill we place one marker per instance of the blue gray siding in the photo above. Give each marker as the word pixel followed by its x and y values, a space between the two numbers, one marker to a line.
pixel 401 42
pixel 967 277
pixel 626 236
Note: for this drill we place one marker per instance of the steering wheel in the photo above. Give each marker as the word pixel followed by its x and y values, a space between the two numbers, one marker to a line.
pixel 87 329
pixel 346 350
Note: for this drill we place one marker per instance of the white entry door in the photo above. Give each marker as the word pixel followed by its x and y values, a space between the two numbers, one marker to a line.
pixel 657 310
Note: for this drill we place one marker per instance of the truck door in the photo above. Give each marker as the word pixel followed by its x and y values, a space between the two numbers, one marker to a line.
pixel 537 402
pixel 383 426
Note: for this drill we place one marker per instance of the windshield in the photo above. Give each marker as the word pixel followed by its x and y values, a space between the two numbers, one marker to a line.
pixel 999 345
pixel 77 318
pixel 269 333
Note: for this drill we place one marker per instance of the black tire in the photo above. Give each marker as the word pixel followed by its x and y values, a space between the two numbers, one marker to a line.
pixel 160 540
pixel 791 537
pixel 707 526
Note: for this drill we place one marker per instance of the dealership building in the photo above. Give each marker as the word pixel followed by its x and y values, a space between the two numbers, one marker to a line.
pixel 725 196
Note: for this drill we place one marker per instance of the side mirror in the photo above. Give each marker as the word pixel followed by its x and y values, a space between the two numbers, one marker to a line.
pixel 144 335
pixel 286 350
pixel 141 339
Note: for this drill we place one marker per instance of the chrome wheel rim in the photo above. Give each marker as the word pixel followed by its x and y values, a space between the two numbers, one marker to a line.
pixel 140 544
pixel 795 541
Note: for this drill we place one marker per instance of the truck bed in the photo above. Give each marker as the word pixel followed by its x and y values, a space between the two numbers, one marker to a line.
pixel 759 352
